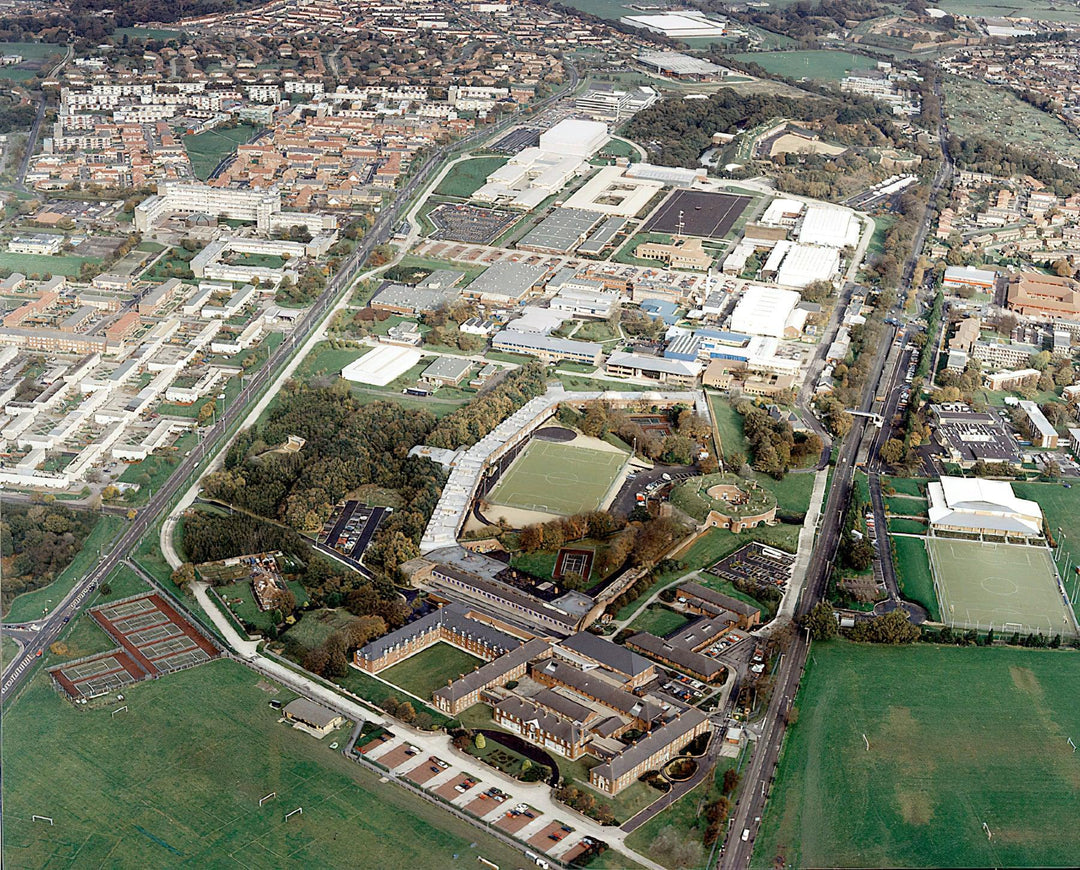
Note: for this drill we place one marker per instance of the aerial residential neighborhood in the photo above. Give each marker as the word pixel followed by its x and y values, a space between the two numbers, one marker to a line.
pixel 571 435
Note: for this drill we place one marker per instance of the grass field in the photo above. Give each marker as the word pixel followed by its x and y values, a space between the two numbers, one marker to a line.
pixel 659 620
pixel 958 736
pixel 176 779
pixel 465 178
pixel 913 573
pixel 792 493
pixel 910 527
pixel 30 604
pixel 558 478
pixel 1061 508
pixel 974 107
pixel 729 423
pixel 814 64
pixel 42 264
pixel 906 505
pixel 207 150
pixel 429 670
pixel 8 650
pixel 1001 585
pixel 325 360
pixel 1040 10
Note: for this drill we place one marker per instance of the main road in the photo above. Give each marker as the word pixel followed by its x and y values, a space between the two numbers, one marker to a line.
pixel 746 818
pixel 215 436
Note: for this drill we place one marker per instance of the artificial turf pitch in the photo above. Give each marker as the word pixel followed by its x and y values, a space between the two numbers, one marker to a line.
pixel 959 736
pixel 176 780
pixel 1004 586
pixel 558 478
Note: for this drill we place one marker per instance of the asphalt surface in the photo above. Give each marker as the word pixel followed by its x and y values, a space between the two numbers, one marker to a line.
pixel 217 435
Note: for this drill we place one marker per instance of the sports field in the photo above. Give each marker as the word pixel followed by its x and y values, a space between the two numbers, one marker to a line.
pixel 813 64
pixel 176 780
pixel 699 213
pixel 913 571
pixel 1007 587
pixel 959 736
pixel 559 478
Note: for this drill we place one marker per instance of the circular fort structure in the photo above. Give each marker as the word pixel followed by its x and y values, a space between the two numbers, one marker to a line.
pixel 725 501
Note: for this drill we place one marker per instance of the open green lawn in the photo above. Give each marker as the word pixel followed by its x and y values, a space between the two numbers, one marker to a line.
pixel 207 150
pixel 152 472
pixel 466 177
pixel 906 505
pixel 658 619
pixel 1061 508
pixel 814 64
pixel 8 650
pixel 29 605
pixel 959 737
pixel 43 264
pixel 906 485
pixel 429 670
pixel 911 527
pixel 729 424
pixel 315 626
pixel 176 780
pixel 792 493
pixel 913 573
pixel 325 360
pixel 1040 10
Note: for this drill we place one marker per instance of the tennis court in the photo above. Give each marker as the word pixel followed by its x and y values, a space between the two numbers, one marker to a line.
pixel 559 478
pixel 1007 587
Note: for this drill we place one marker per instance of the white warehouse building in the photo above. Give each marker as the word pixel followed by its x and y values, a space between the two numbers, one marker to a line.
pixel 830 226
pixel 765 311
pixel 575 138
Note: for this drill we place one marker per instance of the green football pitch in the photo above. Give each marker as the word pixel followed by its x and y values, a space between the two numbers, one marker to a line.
pixel 959 737
pixel 175 780
pixel 558 478
pixel 1004 586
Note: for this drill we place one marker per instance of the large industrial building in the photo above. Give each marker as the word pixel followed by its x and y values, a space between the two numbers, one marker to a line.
pixel 830 226
pixel 766 311
pixel 972 505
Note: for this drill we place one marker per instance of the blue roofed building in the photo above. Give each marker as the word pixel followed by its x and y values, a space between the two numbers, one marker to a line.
pixel 665 309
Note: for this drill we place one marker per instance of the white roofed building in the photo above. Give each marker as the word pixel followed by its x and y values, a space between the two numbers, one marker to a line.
pixel 830 226
pixel 764 310
pixel 972 505
pixel 576 138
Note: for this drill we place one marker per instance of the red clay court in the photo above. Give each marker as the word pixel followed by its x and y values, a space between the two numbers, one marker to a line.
pixel 154 639
pixel 571 561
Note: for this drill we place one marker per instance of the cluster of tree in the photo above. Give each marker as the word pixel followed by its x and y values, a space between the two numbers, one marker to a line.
pixel 897 239
pixel 676 132
pixel 805 21
pixel 449 336
pixel 331 657
pixel 16 118
pixel 305 291
pixel 971 637
pixel 994 156
pixel 774 445
pixel 717 811
pixel 347 445
pixel 556 533
pixel 679 448
pixel 834 415
pixel 37 542
pixel 637 323
pixel 585 802
pixel 855 551
pixel 128 12
pixel 892 628
pixel 469 423
pixel 819 621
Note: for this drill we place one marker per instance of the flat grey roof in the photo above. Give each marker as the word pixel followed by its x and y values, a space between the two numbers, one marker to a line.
pixel 416 298
pixel 447 367
pixel 512 280
pixel 601 237
pixel 561 230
